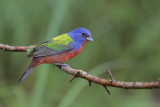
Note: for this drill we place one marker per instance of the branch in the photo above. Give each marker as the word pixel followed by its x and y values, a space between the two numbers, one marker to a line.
pixel 15 48
pixel 91 78
pixel 106 82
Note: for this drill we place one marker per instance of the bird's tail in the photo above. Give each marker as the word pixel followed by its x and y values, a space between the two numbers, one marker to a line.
pixel 25 75
pixel 35 62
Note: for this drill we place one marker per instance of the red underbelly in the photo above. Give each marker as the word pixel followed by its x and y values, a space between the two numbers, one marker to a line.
pixel 58 58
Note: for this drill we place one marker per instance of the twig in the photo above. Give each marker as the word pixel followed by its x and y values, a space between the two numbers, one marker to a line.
pixel 90 83
pixel 110 74
pixel 91 78
pixel 107 89
pixel 72 78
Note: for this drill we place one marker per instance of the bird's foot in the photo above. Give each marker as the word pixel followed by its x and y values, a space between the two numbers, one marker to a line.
pixel 62 65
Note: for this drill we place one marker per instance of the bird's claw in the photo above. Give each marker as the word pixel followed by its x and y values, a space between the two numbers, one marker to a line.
pixel 62 65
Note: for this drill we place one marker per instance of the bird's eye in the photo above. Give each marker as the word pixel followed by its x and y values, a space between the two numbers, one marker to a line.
pixel 83 34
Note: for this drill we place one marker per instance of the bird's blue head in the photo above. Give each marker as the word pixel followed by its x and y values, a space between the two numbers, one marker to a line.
pixel 81 35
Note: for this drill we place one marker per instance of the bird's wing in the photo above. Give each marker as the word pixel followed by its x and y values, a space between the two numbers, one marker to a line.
pixel 57 45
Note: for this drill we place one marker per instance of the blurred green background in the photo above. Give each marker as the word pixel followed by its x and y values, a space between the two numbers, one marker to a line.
pixel 127 40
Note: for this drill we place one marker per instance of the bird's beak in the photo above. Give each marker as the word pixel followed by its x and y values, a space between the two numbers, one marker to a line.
pixel 90 39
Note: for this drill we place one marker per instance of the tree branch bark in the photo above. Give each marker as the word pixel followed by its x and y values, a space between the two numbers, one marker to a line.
pixel 91 78
pixel 14 48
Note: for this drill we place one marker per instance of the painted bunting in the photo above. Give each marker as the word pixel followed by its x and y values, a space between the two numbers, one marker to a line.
pixel 58 50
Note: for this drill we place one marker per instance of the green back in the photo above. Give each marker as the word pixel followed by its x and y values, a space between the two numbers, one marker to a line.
pixel 59 42
pixel 57 45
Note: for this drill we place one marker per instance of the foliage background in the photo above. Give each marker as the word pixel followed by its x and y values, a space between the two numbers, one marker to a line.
pixel 127 39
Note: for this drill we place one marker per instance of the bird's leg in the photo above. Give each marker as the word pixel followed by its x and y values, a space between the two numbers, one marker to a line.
pixel 62 65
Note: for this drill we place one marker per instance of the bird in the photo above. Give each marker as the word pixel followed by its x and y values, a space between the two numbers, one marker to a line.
pixel 58 49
